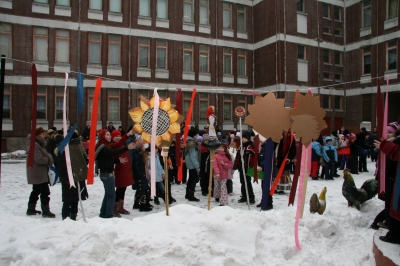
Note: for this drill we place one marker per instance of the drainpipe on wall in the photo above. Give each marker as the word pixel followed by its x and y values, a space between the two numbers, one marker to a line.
pixel 344 64
pixel 216 57
pixel 79 37
pixel 129 56
pixel 319 53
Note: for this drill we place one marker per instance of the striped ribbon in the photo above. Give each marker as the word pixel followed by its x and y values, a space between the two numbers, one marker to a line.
pixel 93 126
pixel 153 144
pixel 34 107
pixel 300 196
pixel 67 155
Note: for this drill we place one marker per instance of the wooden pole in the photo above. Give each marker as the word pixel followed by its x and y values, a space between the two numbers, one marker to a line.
pixel 241 158
pixel 212 152
pixel 80 201
pixel 166 199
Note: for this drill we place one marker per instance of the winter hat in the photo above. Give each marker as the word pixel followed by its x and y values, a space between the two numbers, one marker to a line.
pixel 207 137
pixel 202 132
pixel 192 132
pixel 50 131
pixel 392 127
pixel 199 138
pixel 219 133
pixel 237 134
pixel 247 135
pixel 39 131
pixel 327 138
pixel 352 136
pixel 115 133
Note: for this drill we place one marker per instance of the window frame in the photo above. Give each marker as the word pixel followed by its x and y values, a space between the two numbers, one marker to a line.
pixel 208 12
pixel 9 33
pixel 364 54
pixel 63 38
pixel 230 14
pixel 91 92
pixel 329 76
pixel 329 101
pixel 186 97
pixel 109 96
pixel 148 51
pixel 119 43
pixel 60 95
pixel 303 9
pixel 186 50
pixel 208 57
pixel 341 77
pixel 244 19
pixel 120 6
pixel 387 53
pixel 42 94
pixel 329 9
pixel 340 13
pixel 242 102
pixel 202 115
pixel 166 11
pixel 364 8
pixel 149 9
pixel 340 32
pixel 144 93
pixel 101 1
pixel 191 3
pixel 330 57
pixel 230 54
pixel 41 2
pixel 340 58
pixel 225 100
pixel 304 52
pixel 329 30
pixel 245 61
pixel 340 102
pixel 94 41
pixel 35 35
pixel 8 93
pixel 166 53
pixel 387 10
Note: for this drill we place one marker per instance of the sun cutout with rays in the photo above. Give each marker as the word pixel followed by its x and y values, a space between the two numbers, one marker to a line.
pixel 168 122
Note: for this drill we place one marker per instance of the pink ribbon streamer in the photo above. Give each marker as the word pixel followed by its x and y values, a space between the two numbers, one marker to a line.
pixel 153 144
pixel 382 162
pixel 300 197
pixel 67 155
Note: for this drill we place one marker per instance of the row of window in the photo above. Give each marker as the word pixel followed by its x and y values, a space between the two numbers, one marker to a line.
pixel 329 56
pixel 113 103
pixel 337 102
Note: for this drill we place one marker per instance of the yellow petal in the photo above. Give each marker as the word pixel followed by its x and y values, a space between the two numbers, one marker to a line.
pixel 159 141
pixel 144 105
pixel 146 137
pixel 136 114
pixel 165 104
pixel 138 128
pixel 175 128
pixel 173 115
pixel 152 102
pixel 166 136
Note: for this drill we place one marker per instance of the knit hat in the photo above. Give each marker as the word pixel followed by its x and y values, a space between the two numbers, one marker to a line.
pixel 247 135
pixel 50 131
pixel 352 136
pixel 115 133
pixel 392 127
pixel 219 133
pixel 327 138
pixel 39 131
pixel 199 138
pixel 192 132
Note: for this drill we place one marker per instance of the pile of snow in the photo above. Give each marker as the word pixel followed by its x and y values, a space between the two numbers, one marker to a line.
pixel 14 154
pixel 191 235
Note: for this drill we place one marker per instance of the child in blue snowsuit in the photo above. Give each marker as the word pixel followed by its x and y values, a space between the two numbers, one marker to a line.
pixel 330 158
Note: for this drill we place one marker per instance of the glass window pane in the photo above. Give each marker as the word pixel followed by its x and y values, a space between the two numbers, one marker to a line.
pixel 41 107
pixel 227 64
pixel 392 59
pixel 63 3
pixel 241 66
pixel 203 62
pixel 227 111
pixel 41 1
pixel 325 101
pixel 161 43
pixel 327 58
pixel 114 54
pixel 40 49
pixel 162 9
pixel 187 58
pixel 5 44
pixel 367 64
pixel 162 58
pixel 115 6
pixel 143 56
pixel 113 92
pixel 241 22
pixel 94 36
pixel 96 4
pixel 338 58
pixel 226 20
pixel 338 102
pixel 143 41
pixel 188 12
pixel 144 8
pixel 6 106
pixel 63 33
pixel 300 5
pixel 203 109
pixel 59 106
pixel 300 52
pixel 187 46
pixel 62 51
pixel 367 17
pixel 40 31
pixel 90 106
pixel 94 51
pixel 325 10
pixel 204 15
pixel 113 109
pixel 336 13
pixel 393 9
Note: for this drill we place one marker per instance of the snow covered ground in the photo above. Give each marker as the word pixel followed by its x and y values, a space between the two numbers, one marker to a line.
pixel 191 235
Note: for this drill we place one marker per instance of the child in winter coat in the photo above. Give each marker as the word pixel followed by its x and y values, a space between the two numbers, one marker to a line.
pixel 315 157
pixel 343 151
pixel 222 165
pixel 330 158
pixel 160 175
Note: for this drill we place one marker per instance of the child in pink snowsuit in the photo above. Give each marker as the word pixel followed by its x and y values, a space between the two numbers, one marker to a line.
pixel 222 165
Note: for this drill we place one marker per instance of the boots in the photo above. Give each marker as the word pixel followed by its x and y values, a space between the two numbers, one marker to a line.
pixel 163 197
pixel 31 209
pixel 46 211
pixel 191 196
pixel 115 212
pixel 121 207
pixel 73 216
pixel 145 206
pixel 136 204
pixel 156 201
pixel 187 193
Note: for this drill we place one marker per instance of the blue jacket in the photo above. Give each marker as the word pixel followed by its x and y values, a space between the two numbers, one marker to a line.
pixel 192 154
pixel 159 168
pixel 330 153
pixel 316 151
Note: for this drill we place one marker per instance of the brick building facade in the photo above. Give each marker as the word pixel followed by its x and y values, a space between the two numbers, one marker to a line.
pixel 218 47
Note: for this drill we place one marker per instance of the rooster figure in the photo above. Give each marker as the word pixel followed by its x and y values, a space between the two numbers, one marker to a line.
pixel 318 204
pixel 357 196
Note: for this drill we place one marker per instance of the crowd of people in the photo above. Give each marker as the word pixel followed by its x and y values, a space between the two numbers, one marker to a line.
pixel 122 160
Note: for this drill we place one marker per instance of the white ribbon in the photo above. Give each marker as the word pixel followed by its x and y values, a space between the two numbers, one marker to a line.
pixel 67 155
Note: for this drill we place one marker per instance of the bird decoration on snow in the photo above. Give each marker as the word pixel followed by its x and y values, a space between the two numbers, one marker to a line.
pixel 318 204
pixel 357 196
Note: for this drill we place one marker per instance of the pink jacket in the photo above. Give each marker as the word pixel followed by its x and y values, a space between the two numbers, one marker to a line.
pixel 220 169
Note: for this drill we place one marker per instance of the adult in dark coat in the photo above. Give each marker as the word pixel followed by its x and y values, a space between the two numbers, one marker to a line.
pixel 38 175
pixel 204 166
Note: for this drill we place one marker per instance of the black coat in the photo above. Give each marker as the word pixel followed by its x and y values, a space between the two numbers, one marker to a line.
pixel 139 171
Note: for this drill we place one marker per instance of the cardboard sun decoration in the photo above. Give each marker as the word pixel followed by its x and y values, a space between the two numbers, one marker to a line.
pixel 168 122
pixel 306 120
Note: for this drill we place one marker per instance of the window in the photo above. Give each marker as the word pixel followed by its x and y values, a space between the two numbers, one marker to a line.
pixel 162 94
pixel 144 8
pixel 62 46
pixel 5 40
pixel 326 101
pixel 227 16
pixel 241 23
pixel 392 8
pixel 366 60
pixel 338 33
pixel 41 110
pixel 327 75
pixel 161 54
pixel 337 13
pixel 325 11
pixel 94 48
pixel 90 104
pixel 162 9
pixel 7 102
pixel 144 93
pixel 300 5
pixel 113 104
pixel 242 101
pixel 227 61
pixel 367 107
pixel 114 45
pixel 188 11
pixel 204 55
pixel 63 3
pixel 326 30
pixel 96 4
pixel 203 105
pixel 187 98
pixel 392 55
pixel 338 77
pixel 144 49
pixel 115 6
pixel 338 102
pixel 204 12
pixel 60 103
pixel 188 57
pixel 41 1
pixel 40 43
pixel 366 13
pixel 301 52
pixel 241 62
pixel 338 58
pixel 327 56
pixel 227 107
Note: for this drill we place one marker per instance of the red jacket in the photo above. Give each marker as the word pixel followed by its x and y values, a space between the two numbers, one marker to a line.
pixel 123 171
pixel 248 156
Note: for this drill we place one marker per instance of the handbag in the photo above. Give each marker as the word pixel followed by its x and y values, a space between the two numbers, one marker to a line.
pixel 250 172
pixel 53 175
